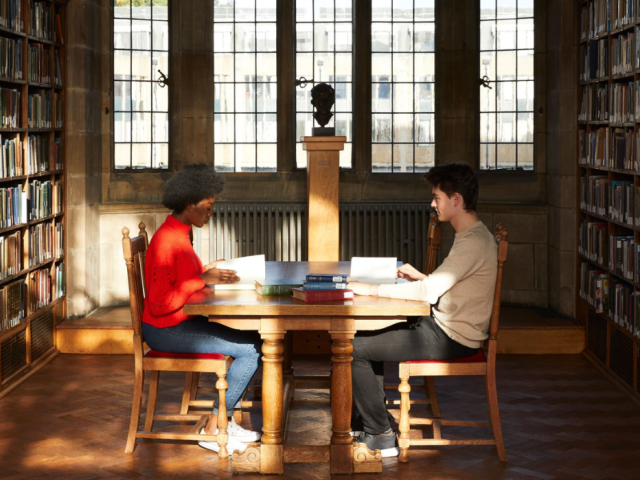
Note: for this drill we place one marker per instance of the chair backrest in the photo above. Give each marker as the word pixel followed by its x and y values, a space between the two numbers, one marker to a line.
pixel 135 250
pixel 501 236
pixel 434 235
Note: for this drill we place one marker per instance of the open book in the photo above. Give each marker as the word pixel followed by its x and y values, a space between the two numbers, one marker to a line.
pixel 250 270
pixel 374 270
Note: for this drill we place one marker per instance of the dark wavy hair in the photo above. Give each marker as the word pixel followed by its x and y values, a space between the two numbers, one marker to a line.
pixel 456 178
pixel 190 185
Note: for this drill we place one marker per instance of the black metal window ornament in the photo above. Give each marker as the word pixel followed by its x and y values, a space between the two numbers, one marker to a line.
pixel 506 87
pixel 140 100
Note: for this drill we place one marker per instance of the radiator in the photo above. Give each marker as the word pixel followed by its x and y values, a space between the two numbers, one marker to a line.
pixel 279 231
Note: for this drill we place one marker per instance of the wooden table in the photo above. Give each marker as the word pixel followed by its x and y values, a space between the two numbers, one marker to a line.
pixel 273 316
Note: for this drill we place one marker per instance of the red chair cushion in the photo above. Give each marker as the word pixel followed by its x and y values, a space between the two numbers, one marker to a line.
pixel 478 357
pixel 192 356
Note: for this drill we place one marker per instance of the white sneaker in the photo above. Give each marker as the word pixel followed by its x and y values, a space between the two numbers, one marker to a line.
pixel 232 446
pixel 238 433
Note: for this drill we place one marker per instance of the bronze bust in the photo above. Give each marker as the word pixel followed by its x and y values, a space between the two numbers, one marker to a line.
pixel 322 98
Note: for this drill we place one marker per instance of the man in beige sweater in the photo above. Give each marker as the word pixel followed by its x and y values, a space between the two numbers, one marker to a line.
pixel 460 292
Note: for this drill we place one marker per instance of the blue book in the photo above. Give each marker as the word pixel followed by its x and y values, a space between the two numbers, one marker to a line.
pixel 325 286
pixel 327 277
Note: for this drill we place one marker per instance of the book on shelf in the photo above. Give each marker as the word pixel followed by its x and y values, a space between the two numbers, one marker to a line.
pixel 12 310
pixel 622 53
pixel 622 103
pixel 11 58
pixel 40 19
pixel 40 289
pixel 326 277
pixel 10 255
pixel 59 38
pixel 325 285
pixel 277 287
pixel 250 269
pixel 311 296
pixel 9 108
pixel 11 159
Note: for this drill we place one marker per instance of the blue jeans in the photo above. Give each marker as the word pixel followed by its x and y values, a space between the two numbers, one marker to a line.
pixel 201 336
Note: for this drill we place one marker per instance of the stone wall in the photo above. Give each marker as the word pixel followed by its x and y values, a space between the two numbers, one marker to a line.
pixel 561 150
pixel 534 207
pixel 84 101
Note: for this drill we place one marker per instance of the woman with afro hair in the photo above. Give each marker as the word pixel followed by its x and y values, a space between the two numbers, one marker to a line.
pixel 173 272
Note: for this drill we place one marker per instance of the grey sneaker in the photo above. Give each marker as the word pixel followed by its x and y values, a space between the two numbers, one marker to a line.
pixel 357 425
pixel 386 442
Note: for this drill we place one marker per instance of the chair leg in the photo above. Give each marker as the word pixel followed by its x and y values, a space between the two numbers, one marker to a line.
pixel 494 413
pixel 223 437
pixel 136 404
pixel 186 394
pixel 152 400
pixel 430 389
pixel 405 405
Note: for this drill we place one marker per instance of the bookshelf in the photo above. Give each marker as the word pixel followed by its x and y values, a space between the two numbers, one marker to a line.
pixel 608 263
pixel 32 180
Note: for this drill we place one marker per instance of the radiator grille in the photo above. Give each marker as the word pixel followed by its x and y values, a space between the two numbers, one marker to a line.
pixel 384 230
pixel 597 340
pixel 41 335
pixel 279 232
pixel 621 356
pixel 14 354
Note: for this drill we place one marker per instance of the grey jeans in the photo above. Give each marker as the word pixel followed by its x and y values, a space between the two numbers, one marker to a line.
pixel 418 339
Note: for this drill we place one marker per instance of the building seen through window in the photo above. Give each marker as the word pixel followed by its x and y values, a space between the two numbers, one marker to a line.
pixel 507 61
pixel 140 105
pixel 245 88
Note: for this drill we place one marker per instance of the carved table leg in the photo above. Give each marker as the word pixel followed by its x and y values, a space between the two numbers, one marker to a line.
pixel 268 457
pixel 341 395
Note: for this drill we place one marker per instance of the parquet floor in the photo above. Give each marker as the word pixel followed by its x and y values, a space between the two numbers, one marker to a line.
pixel 561 420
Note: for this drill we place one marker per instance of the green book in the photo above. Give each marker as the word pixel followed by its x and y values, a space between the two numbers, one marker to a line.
pixel 277 287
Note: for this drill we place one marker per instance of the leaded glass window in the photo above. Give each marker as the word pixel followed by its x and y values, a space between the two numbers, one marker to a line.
pixel 140 104
pixel 506 60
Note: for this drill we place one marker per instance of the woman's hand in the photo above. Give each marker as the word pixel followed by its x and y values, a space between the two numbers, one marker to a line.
pixel 360 288
pixel 216 276
pixel 408 272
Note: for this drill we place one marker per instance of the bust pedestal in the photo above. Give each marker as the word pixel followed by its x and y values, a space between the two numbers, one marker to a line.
pixel 323 181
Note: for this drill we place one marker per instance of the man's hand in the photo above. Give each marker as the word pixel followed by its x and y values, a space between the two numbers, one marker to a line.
pixel 360 288
pixel 408 272
pixel 216 276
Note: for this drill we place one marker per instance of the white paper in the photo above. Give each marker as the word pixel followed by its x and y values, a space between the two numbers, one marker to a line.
pixel 250 270
pixel 374 270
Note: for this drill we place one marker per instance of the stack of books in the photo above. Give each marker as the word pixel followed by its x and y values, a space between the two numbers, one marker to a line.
pixel 268 288
pixel 323 288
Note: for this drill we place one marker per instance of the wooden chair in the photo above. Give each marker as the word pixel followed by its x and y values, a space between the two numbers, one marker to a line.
pixel 434 237
pixel 479 364
pixel 153 362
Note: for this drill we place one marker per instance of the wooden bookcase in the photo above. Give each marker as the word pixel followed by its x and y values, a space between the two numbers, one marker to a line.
pixel 609 187
pixel 36 31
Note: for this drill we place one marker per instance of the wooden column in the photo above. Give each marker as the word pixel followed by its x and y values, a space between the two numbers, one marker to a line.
pixel 342 332
pixel 323 176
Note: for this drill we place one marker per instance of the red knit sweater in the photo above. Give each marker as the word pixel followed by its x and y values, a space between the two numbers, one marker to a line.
pixel 171 274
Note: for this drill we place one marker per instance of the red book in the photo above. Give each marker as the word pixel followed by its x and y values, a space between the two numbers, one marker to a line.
pixel 311 296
